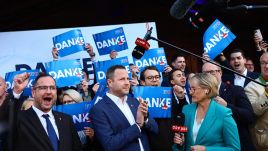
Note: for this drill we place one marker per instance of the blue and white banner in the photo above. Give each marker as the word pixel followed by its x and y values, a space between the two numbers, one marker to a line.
pixel 102 66
pixel 65 72
pixel 69 42
pixel 110 40
pixel 152 57
pixel 101 92
pixel 10 76
pixel 79 113
pixel 158 98
pixel 216 38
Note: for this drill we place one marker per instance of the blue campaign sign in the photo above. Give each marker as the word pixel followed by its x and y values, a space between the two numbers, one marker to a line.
pixel 216 38
pixel 69 42
pixel 158 98
pixel 10 76
pixel 152 57
pixel 65 72
pixel 102 66
pixel 101 92
pixel 79 113
pixel 110 40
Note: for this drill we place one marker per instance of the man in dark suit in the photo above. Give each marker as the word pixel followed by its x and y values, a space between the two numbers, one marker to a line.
pixel 10 104
pixel 234 97
pixel 40 128
pixel 237 63
pixel 121 123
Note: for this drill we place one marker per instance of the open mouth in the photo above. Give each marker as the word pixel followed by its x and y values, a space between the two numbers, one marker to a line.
pixel 237 65
pixel 48 99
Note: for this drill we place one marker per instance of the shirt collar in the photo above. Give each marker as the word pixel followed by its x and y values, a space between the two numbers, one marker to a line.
pixel 244 73
pixel 116 99
pixel 40 113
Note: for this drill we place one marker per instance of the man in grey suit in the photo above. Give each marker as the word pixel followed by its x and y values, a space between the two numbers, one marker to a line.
pixel 40 128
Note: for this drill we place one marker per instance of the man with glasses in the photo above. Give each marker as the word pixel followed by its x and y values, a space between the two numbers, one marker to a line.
pixel 258 96
pixel 234 97
pixel 163 141
pixel 40 128
pixel 150 76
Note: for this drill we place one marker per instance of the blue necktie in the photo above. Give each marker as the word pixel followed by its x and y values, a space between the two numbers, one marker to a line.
pixel 51 133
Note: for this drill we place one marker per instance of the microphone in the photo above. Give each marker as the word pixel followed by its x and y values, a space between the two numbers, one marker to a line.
pixel 142 45
pixel 180 8
pixel 178 126
pixel 246 7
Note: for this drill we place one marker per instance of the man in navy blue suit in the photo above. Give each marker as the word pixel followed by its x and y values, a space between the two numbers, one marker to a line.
pixel 234 97
pixel 121 123
pixel 237 63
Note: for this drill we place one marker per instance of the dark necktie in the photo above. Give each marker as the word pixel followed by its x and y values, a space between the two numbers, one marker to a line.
pixel 51 133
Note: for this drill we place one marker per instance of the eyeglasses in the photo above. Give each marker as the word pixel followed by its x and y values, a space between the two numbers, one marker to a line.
pixel 249 64
pixel 68 102
pixel 45 88
pixel 151 78
pixel 192 89
pixel 212 71
pixel 263 63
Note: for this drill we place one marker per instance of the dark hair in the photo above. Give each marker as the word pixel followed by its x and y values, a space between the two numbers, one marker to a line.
pixel 85 70
pixel 41 75
pixel 170 74
pixel 110 71
pixel 142 76
pixel 236 51
pixel 174 58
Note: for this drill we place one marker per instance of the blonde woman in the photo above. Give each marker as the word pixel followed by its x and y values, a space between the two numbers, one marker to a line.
pixel 210 125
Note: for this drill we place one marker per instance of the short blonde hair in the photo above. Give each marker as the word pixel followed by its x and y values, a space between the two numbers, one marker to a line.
pixel 207 81
pixel 76 96
pixel 26 102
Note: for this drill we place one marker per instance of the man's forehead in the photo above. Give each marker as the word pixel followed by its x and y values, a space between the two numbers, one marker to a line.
pixel 45 79
pixel 236 54
pixel 180 59
pixel 264 57
pixel 178 72
pixel 210 66
pixel 151 72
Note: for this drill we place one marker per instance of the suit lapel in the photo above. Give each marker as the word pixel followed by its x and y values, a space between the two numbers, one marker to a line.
pixel 223 89
pixel 132 107
pixel 34 120
pixel 207 122
pixel 192 116
pixel 115 109
pixel 60 126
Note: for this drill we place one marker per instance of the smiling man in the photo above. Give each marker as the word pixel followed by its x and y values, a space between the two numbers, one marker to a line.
pixel 40 128
pixel 237 62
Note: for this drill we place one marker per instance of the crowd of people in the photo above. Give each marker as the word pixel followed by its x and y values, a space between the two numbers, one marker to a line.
pixel 223 110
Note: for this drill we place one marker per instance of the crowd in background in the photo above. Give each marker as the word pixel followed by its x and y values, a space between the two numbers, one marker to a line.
pixel 223 110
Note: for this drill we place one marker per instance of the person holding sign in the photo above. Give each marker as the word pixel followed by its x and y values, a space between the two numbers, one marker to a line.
pixel 71 96
pixel 150 76
pixel 120 122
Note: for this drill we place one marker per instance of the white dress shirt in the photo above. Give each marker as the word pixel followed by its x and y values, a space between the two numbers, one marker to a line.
pixel 125 109
pixel 43 120
pixel 196 127
pixel 240 81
